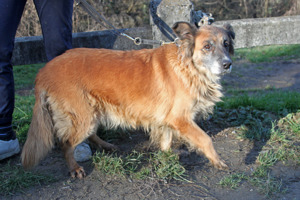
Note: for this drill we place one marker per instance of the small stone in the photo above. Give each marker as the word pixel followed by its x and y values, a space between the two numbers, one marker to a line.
pixel 82 152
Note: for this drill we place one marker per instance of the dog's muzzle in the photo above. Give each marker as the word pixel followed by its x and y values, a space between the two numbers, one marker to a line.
pixel 228 70
pixel 227 66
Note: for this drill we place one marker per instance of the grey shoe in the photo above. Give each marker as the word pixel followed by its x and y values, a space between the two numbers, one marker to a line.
pixel 82 152
pixel 9 148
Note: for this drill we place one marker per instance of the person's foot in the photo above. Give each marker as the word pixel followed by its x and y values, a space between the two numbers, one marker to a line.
pixel 9 144
pixel 82 152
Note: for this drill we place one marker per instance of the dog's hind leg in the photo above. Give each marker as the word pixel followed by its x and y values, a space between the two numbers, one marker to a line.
pixel 73 125
pixel 75 169
pixel 70 136
pixel 197 138
pixel 101 143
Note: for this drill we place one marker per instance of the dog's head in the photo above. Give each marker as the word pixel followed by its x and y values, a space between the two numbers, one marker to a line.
pixel 209 46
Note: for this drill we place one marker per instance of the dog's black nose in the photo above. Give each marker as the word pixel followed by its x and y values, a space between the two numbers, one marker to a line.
pixel 227 64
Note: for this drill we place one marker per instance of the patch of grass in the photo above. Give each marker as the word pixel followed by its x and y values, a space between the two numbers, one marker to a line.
pixel 268 53
pixel 117 165
pixel 254 91
pixel 278 102
pixel 261 172
pixel 267 185
pixel 24 75
pixel 160 165
pixel 233 180
pixel 15 179
pixel 251 123
pixel 261 179
pixel 281 146
pixel 292 122
pixel 281 138
pixel 166 165
pixel 283 142
pixel 22 115
pixel 108 163
pixel 253 114
pixel 269 158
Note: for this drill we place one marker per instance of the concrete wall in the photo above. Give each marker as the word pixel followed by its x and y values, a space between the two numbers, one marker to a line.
pixel 265 31
pixel 30 50
pixel 249 33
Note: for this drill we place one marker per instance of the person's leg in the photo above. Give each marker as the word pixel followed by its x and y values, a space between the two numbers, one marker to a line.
pixel 56 21
pixel 11 13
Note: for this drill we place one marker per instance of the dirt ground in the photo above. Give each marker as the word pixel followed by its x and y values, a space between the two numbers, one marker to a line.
pixel 239 155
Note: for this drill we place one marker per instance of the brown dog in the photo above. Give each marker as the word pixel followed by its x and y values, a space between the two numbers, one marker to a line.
pixel 160 90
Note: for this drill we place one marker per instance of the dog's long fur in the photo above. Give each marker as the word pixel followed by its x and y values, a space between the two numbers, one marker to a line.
pixel 160 90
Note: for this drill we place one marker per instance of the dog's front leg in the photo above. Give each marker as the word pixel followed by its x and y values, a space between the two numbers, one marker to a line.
pixel 196 137
pixel 163 135
pixel 75 169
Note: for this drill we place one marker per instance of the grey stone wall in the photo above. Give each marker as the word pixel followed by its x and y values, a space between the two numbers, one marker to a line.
pixel 265 31
pixel 164 13
pixel 30 50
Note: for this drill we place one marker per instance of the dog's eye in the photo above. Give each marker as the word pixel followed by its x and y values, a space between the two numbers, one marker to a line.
pixel 207 47
pixel 226 43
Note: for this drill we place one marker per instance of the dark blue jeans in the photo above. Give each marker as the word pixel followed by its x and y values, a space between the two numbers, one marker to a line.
pixel 56 22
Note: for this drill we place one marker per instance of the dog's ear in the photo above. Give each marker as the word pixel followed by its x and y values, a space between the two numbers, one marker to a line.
pixel 184 30
pixel 231 35
pixel 229 30
pixel 186 33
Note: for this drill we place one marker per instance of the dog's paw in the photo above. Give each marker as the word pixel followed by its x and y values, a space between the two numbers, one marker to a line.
pixel 78 173
pixel 111 147
pixel 220 164
pixel 114 147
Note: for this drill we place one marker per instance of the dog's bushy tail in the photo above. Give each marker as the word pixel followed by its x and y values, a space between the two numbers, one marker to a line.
pixel 40 138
